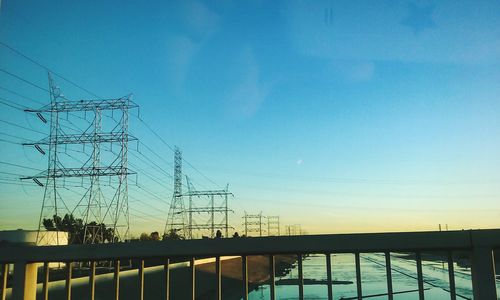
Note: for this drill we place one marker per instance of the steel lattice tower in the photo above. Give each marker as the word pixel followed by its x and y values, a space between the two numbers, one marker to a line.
pixel 176 219
pixel 93 209
pixel 213 209
pixel 295 229
pixel 253 223
pixel 273 225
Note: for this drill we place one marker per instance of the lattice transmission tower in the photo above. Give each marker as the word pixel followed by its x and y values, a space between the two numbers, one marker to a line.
pixel 103 218
pixel 294 229
pixel 253 223
pixel 215 207
pixel 176 219
pixel 273 225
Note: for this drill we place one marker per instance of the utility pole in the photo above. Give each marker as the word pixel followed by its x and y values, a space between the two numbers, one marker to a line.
pixel 95 211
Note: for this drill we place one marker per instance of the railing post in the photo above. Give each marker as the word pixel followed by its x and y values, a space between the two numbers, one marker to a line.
pixel 193 278
pixel 358 276
pixel 301 277
pixel 451 274
pixel 24 281
pixel 329 276
pixel 92 280
pixel 116 279
pixel 483 273
pixel 420 276
pixel 272 272
pixel 388 272
pixel 5 273
pixel 166 270
pixel 45 287
pixel 218 274
pixel 141 279
pixel 244 276
pixel 69 273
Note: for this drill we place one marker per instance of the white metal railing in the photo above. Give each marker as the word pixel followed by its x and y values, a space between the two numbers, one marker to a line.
pixel 480 243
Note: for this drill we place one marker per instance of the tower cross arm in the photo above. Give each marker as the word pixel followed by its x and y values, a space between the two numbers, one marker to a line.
pixel 209 193
pixel 86 105
pixel 82 172
pixel 85 138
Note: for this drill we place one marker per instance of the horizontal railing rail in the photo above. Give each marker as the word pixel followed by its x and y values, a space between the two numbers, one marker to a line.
pixel 480 243
pixel 335 243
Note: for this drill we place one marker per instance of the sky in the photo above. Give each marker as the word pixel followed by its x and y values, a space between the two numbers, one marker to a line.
pixel 340 116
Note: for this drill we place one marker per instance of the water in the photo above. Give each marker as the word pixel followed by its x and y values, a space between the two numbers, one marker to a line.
pixel 373 279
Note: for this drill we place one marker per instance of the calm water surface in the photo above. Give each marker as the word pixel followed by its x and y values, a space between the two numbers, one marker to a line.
pixel 373 279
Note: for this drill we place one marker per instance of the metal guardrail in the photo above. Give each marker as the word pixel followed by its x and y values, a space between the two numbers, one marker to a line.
pixel 480 243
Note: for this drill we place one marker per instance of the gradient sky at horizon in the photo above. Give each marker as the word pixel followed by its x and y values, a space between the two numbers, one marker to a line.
pixel 341 116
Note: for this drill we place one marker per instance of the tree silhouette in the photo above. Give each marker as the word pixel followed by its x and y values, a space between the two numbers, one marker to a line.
pixel 172 235
pixel 76 229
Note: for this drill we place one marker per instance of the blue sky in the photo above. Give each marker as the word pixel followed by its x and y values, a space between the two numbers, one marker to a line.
pixel 341 116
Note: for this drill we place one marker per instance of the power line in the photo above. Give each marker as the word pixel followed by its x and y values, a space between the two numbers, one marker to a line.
pixel 3 181
pixel 24 80
pixel 155 134
pixel 346 180
pixel 19 166
pixel 20 95
pixel 160 169
pixel 35 101
pixel 9 142
pixel 47 69
pixel 12 104
pixel 147 204
pixel 95 95
pixel 152 194
pixel 26 128
pixel 10 135
pixel 199 172
pixel 149 217
pixel 151 163
pixel 172 149
pixel 91 93
pixel 73 83
pixel 156 154
pixel 96 208
pixel 10 179
pixel 150 176
pixel 9 173
pixel 155 207
pixel 147 174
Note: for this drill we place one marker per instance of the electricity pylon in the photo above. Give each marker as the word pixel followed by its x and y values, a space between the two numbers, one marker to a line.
pixel 253 223
pixel 295 229
pixel 93 209
pixel 213 210
pixel 176 219
pixel 273 225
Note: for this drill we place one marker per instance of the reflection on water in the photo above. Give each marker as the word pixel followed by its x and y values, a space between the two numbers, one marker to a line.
pixel 374 279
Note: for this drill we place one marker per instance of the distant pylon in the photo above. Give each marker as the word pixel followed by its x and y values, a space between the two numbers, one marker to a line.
pixel 253 223
pixel 176 219
pixel 218 212
pixel 273 225
pixel 295 229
